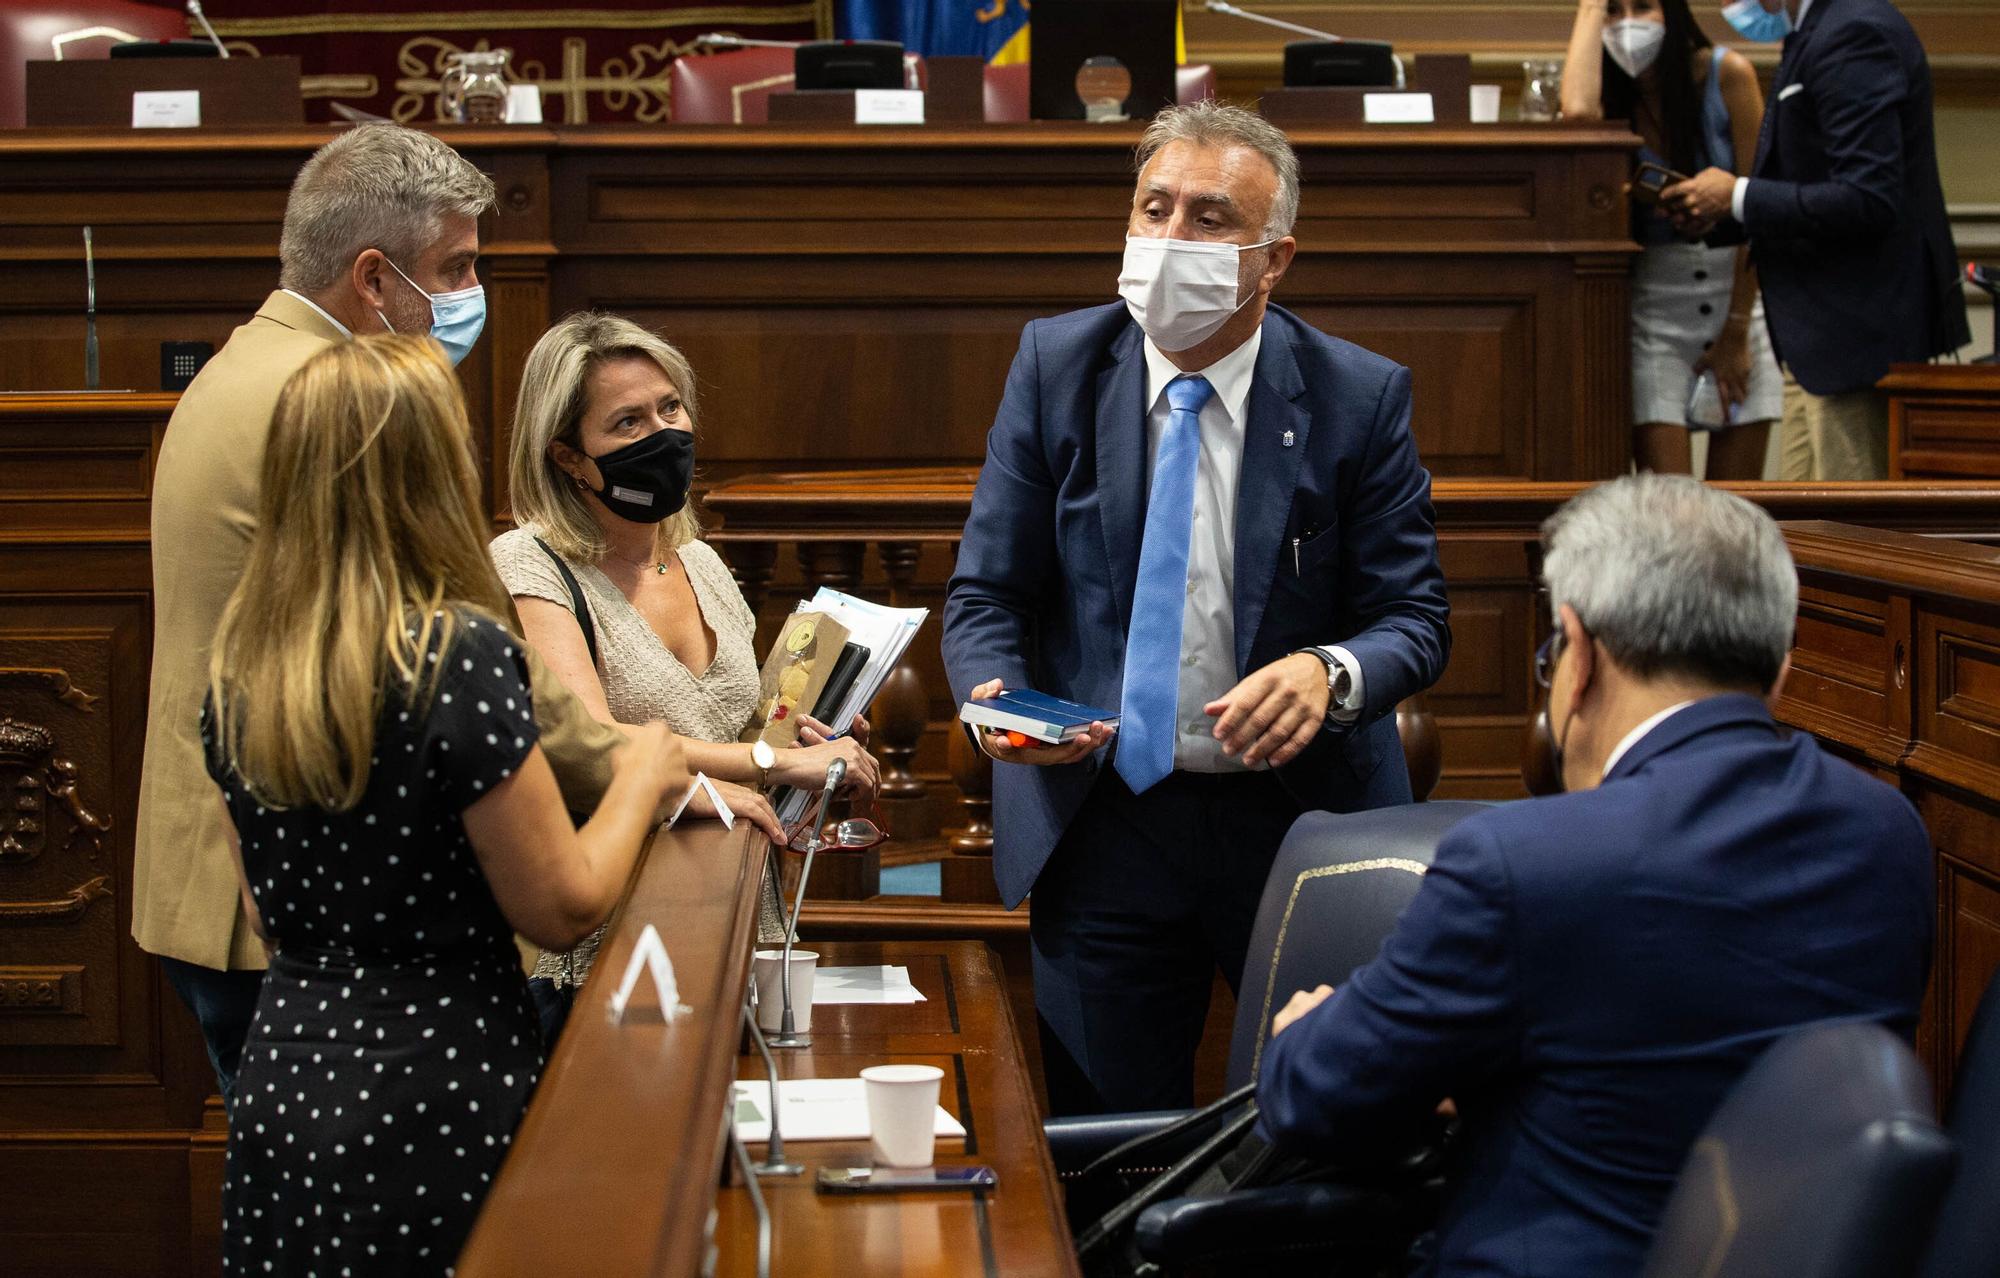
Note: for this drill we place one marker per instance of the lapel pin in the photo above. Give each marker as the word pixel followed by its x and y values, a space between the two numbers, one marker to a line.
pixel 1288 439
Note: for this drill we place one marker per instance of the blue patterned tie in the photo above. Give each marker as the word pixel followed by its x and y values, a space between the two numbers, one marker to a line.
pixel 1153 647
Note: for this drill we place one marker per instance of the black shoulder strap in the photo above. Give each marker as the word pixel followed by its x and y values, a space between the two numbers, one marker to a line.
pixel 578 604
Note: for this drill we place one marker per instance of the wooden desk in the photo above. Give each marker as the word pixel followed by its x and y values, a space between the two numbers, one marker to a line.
pixel 965 1029
pixel 625 1130
pixel 1897 667
pixel 1944 421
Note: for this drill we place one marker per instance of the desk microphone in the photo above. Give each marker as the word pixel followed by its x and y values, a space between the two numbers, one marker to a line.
pixel 717 40
pixel 788 1033
pixel 775 1163
pixel 1223 6
pixel 194 11
pixel 89 313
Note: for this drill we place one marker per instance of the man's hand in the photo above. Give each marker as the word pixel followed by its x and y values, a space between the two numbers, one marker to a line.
pixel 1697 204
pixel 996 744
pixel 1275 712
pixel 1301 1003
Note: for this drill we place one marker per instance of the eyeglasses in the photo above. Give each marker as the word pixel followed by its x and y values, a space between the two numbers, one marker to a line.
pixel 1546 657
pixel 855 834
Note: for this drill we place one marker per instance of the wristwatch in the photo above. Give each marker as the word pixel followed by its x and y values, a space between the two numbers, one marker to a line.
pixel 765 758
pixel 1339 682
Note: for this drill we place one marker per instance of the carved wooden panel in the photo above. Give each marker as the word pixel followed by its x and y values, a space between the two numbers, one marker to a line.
pixel 61 886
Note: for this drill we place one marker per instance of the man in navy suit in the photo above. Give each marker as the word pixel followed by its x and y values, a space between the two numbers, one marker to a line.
pixel 1846 221
pixel 1586 974
pixel 1201 512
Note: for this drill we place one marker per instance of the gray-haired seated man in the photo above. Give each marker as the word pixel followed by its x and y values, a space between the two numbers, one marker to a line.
pixel 1585 975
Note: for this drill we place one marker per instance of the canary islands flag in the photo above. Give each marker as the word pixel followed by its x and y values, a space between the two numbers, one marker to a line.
pixel 996 30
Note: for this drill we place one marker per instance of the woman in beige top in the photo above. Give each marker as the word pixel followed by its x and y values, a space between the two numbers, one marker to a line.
pixel 602 456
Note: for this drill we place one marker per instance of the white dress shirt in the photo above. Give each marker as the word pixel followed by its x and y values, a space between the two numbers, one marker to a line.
pixel 1742 179
pixel 1638 734
pixel 344 330
pixel 1208 626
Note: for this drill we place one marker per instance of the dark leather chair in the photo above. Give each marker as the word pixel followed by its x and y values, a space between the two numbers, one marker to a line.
pixel 1336 889
pixel 732 87
pixel 1966 1242
pixel 1007 89
pixel 1823 1162
pixel 27 26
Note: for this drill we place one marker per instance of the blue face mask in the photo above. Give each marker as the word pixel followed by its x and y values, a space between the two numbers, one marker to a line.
pixel 456 318
pixel 1753 22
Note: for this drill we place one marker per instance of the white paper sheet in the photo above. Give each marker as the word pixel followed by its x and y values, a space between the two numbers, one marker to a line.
pixel 723 811
pixel 815 1109
pixel 886 633
pixel 881 984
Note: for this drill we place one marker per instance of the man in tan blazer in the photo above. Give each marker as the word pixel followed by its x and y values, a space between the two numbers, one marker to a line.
pixel 380 222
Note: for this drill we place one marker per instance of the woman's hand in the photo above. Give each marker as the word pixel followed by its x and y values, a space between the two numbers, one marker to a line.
pixel 744 802
pixel 1729 360
pixel 812 732
pixel 654 757
pixel 804 766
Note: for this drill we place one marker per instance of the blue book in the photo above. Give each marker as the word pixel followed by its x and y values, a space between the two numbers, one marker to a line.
pixel 1035 714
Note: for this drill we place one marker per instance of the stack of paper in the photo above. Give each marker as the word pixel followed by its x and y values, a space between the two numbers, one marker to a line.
pixel 886 633
pixel 864 985
pixel 815 1109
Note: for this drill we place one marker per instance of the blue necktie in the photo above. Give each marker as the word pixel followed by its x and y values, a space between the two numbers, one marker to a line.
pixel 1153 646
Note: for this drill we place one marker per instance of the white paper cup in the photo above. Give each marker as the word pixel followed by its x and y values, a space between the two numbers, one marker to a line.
pixel 1485 104
pixel 764 966
pixel 902 1108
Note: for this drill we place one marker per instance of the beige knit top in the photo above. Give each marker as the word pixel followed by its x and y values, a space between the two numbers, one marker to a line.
pixel 643 680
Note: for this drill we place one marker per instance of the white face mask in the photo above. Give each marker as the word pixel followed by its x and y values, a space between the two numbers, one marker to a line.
pixel 1634 44
pixel 1181 292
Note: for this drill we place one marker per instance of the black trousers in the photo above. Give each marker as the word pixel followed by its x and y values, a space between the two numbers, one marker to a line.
pixel 1145 897
pixel 223 1003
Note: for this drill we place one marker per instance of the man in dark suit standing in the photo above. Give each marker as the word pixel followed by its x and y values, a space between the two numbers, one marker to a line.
pixel 1846 221
pixel 1587 974
pixel 1201 511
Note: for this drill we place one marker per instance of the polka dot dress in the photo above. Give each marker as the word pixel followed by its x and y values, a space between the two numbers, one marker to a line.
pixel 394 1046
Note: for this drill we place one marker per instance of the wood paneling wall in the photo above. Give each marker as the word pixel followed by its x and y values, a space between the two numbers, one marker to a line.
pixel 853 298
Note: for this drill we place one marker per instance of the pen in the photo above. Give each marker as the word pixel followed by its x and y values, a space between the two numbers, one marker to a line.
pixel 1295 556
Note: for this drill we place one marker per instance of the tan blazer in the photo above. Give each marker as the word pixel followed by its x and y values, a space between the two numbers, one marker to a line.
pixel 185 900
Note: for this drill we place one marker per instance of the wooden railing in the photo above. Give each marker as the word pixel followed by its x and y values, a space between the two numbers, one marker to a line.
pixel 891 534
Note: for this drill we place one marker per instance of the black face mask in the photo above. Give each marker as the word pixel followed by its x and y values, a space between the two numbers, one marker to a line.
pixel 647 481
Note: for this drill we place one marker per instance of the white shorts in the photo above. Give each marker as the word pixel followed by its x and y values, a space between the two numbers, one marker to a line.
pixel 1680 300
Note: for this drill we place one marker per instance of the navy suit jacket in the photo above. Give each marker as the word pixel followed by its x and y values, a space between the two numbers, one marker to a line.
pixel 1042 593
pixel 1588 974
pixel 1844 209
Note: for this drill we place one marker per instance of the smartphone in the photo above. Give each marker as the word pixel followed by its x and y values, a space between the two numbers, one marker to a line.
pixel 890 1180
pixel 1651 179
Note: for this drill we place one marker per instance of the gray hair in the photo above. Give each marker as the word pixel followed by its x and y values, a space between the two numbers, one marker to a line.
pixel 1214 123
pixel 1675 577
pixel 378 186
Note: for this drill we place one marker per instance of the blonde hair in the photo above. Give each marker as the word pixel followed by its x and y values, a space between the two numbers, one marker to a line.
pixel 369 534
pixel 554 386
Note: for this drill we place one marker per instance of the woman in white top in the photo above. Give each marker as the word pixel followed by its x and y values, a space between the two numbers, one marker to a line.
pixel 599 471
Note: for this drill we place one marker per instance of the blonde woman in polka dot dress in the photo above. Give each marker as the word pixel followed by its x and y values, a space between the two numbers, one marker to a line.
pixel 371 727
